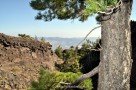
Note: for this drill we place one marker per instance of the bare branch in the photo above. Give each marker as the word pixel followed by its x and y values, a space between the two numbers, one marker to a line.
pixel 80 79
pixel 63 83
pixel 99 49
pixel 111 10
pixel 88 35
pixel 85 76
pixel 68 86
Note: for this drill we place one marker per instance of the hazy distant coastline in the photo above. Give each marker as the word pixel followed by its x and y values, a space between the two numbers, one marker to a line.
pixel 66 42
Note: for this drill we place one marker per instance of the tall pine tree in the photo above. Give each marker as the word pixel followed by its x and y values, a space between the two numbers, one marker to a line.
pixel 113 15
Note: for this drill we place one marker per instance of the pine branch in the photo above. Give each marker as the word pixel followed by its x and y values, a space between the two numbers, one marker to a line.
pixel 82 78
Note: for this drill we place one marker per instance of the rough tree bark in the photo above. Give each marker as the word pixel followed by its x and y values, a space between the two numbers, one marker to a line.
pixel 115 67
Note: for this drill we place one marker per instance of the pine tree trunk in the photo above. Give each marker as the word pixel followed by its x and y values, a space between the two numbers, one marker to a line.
pixel 115 66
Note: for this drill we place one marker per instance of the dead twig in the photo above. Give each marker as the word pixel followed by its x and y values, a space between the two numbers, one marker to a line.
pixel 88 35
pixel 85 76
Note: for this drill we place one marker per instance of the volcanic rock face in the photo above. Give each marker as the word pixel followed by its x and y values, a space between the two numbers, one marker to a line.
pixel 21 59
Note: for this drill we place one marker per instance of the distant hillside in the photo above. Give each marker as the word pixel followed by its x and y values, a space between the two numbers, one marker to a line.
pixel 66 42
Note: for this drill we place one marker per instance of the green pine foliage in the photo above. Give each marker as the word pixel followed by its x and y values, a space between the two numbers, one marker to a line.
pixel 69 54
pixel 25 36
pixel 69 71
pixel 43 40
pixel 69 9
pixel 52 81
pixel 70 60
pixel 59 52
pixel 71 65
pixel 46 81
pixel 72 57
pixel 85 49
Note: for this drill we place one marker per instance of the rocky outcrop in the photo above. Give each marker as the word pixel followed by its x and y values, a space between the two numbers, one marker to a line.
pixel 21 60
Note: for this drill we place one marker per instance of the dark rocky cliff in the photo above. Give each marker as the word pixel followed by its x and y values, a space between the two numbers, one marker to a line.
pixel 21 59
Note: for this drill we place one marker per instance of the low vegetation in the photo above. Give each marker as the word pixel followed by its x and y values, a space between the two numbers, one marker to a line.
pixel 68 71
pixel 57 81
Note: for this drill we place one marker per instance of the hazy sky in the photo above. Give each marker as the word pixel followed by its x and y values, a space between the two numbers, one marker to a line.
pixel 16 16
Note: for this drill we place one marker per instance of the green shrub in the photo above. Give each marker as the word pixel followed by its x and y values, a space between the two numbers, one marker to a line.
pixel 59 51
pixel 25 36
pixel 52 81
pixel 70 65
pixel 45 81
pixel 43 40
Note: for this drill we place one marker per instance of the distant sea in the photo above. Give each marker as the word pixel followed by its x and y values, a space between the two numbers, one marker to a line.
pixel 65 43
